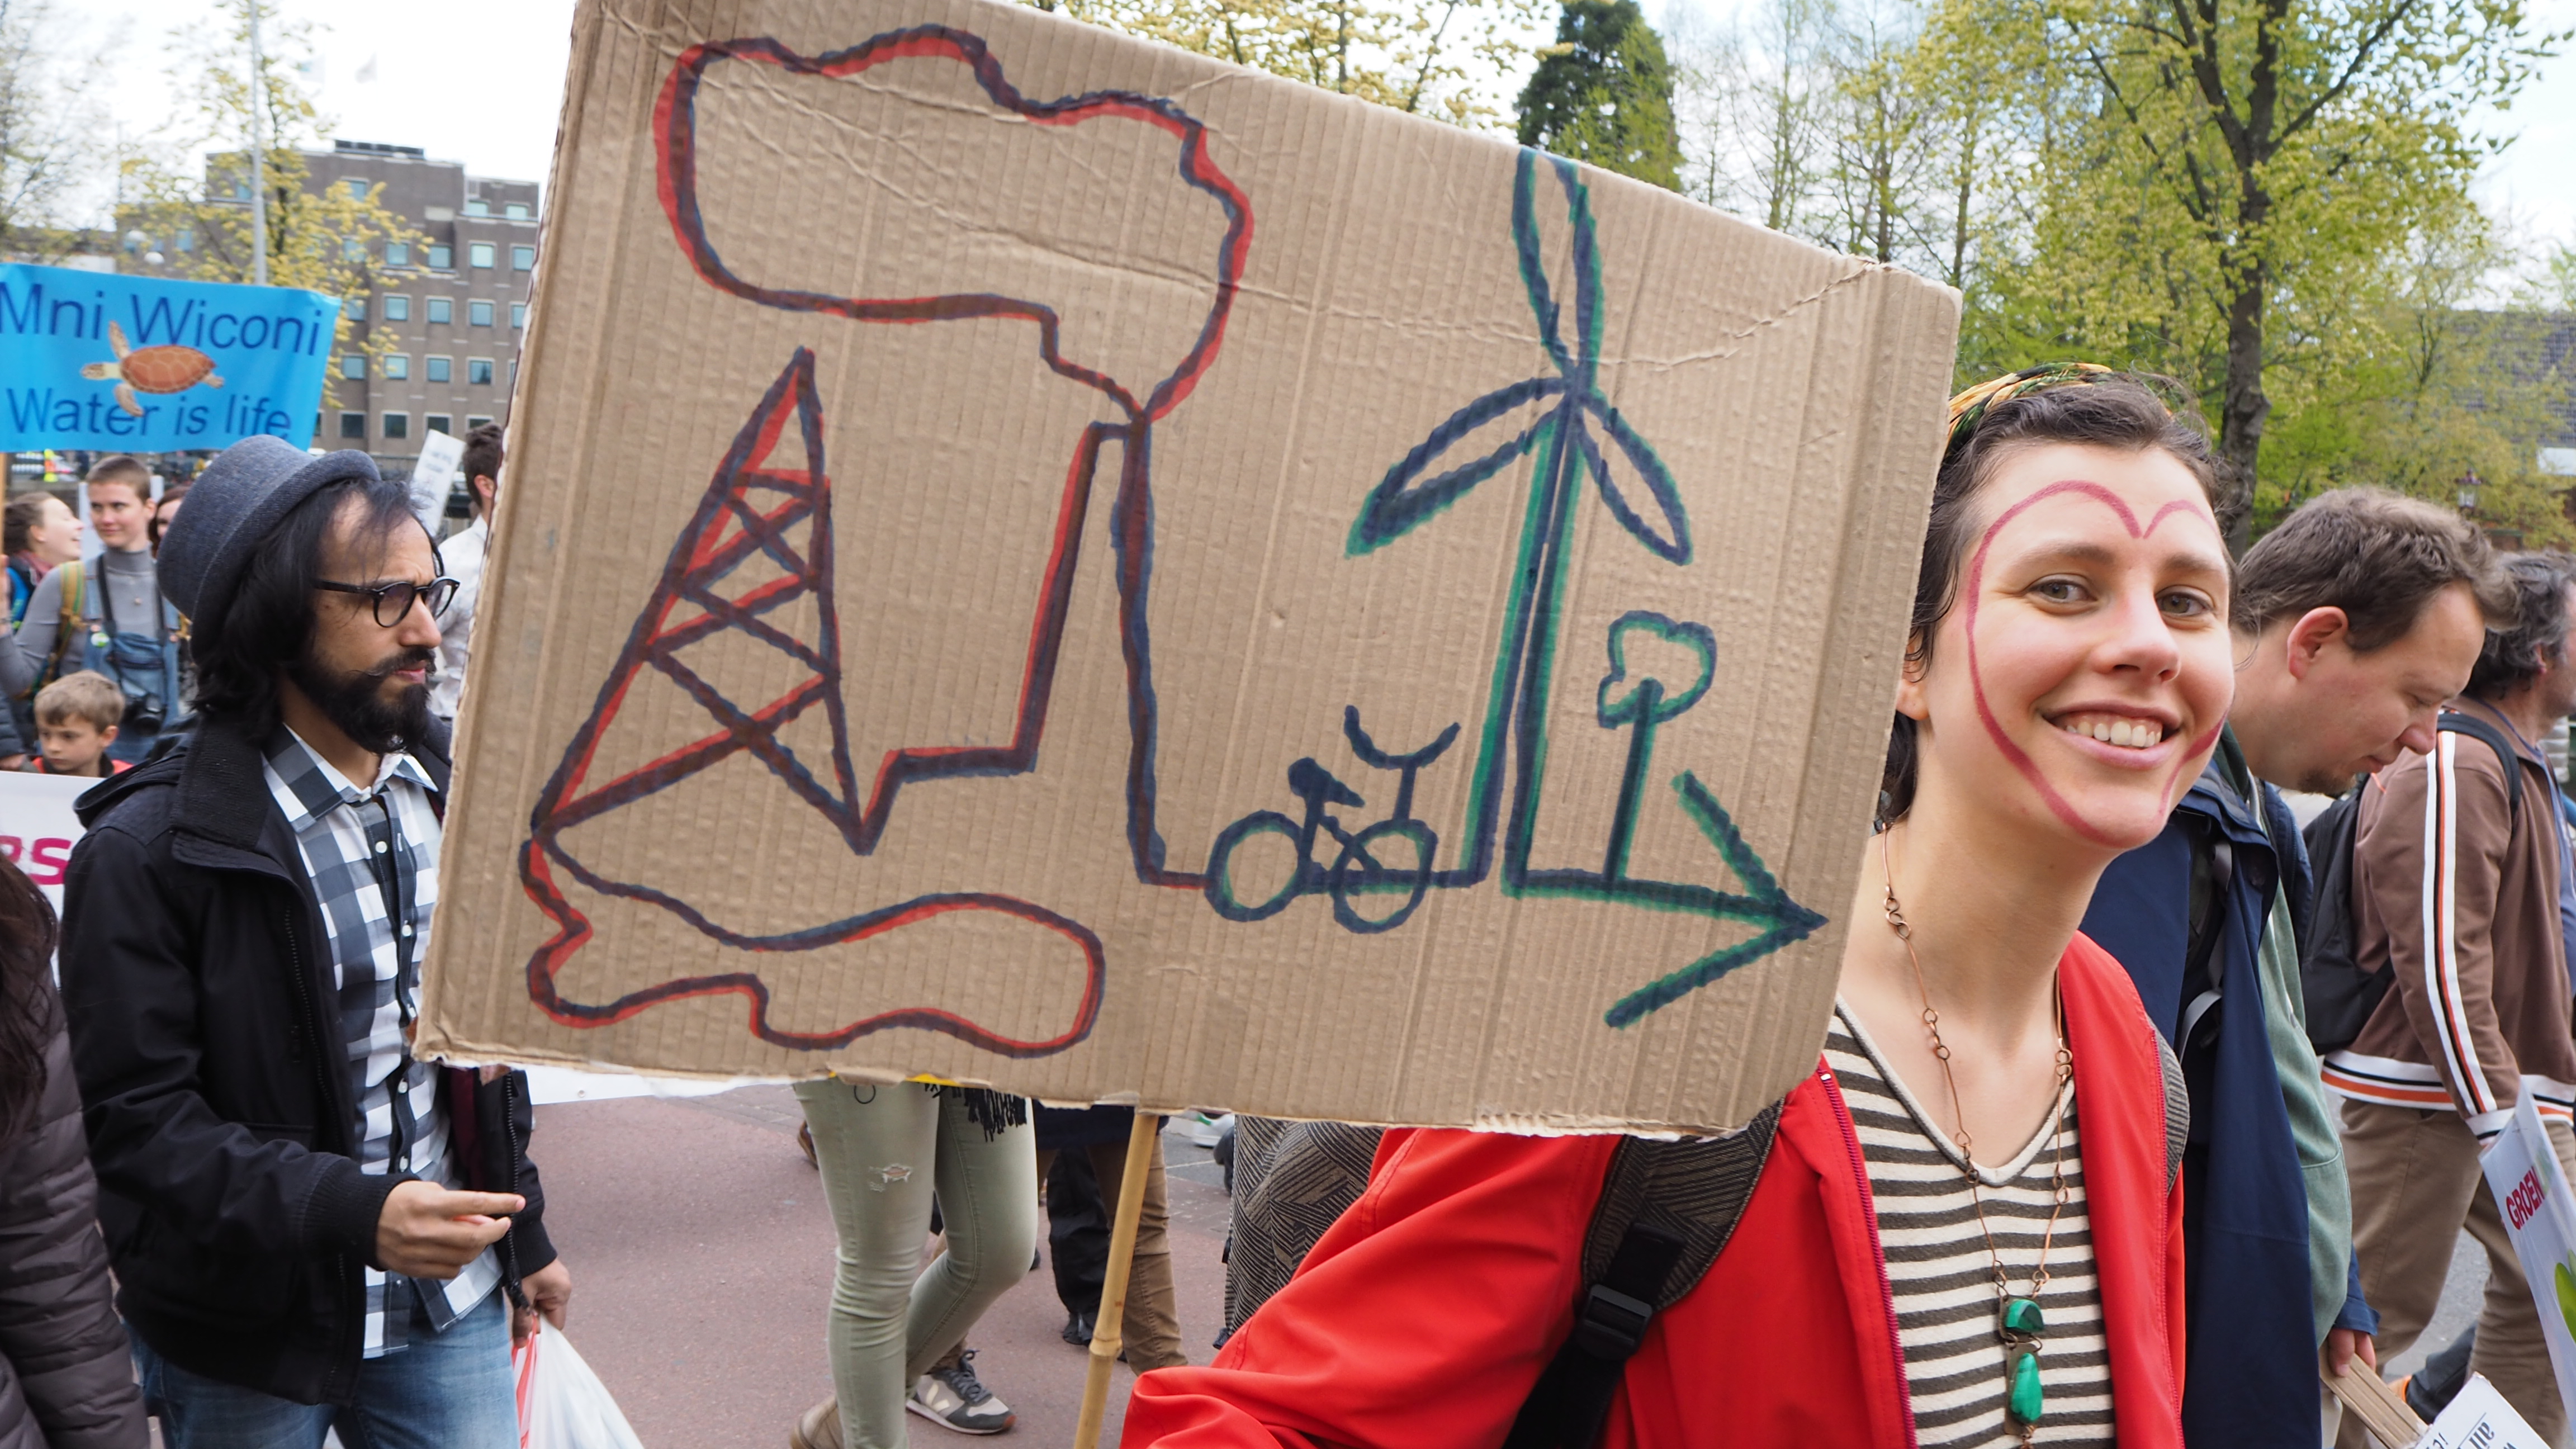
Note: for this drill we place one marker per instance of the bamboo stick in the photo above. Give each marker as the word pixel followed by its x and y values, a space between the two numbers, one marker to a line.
pixel 1110 1324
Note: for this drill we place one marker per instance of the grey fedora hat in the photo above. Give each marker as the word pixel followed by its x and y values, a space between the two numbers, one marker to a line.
pixel 233 506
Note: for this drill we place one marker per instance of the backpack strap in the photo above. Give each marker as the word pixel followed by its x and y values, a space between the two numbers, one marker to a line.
pixel 1666 1212
pixel 74 575
pixel 2177 1109
pixel 2455 722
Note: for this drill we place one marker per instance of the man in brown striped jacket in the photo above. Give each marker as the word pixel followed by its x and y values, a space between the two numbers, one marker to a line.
pixel 2460 892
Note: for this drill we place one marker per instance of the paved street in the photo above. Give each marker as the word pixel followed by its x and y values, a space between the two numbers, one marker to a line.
pixel 702 1259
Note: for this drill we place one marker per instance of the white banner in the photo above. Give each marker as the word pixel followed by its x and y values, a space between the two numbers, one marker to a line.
pixel 37 826
pixel 2480 1419
pixel 2540 1212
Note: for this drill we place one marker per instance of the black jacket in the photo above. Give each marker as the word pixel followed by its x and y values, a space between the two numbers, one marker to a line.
pixel 207 1038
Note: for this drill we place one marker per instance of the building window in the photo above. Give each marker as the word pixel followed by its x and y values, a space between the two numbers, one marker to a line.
pixel 357 188
pixel 441 310
pixel 439 422
pixel 353 425
pixel 398 309
pixel 477 208
pixel 478 254
pixel 241 191
pixel 185 241
pixel 393 365
pixel 478 369
pixel 518 314
pixel 522 258
pixel 472 423
pixel 397 425
pixel 438 369
pixel 515 211
pixel 441 257
pixel 352 249
pixel 479 313
pixel 397 254
pixel 353 364
pixel 355 309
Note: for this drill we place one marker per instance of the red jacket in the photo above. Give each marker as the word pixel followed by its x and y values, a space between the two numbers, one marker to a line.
pixel 1423 1317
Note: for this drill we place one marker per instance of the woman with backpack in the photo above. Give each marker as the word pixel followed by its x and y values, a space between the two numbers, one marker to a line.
pixel 1965 1228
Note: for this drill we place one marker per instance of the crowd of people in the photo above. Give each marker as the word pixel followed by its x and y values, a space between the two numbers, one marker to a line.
pixel 2140 1105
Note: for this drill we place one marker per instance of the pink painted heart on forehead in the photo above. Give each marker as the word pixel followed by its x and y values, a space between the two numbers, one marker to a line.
pixel 2191 758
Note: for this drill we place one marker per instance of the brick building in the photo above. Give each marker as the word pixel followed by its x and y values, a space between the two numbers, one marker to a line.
pixel 454 308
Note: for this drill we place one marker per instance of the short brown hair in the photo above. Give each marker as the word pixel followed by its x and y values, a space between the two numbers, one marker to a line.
pixel 2378 556
pixel 482 457
pixel 121 468
pixel 87 695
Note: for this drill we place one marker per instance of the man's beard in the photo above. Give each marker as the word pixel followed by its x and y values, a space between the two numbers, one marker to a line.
pixel 355 701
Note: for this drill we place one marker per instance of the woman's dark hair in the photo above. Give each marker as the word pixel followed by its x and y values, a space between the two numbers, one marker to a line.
pixel 25 514
pixel 169 495
pixel 2105 410
pixel 267 624
pixel 27 932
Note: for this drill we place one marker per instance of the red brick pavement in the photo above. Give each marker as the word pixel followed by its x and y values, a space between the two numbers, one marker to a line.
pixel 701 1255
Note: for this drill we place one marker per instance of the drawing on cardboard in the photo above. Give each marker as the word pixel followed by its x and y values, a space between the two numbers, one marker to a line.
pixel 760 540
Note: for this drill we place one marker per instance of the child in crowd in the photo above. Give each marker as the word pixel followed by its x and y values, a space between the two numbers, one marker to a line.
pixel 76 720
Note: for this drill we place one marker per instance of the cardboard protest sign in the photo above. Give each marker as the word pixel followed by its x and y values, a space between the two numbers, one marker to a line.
pixel 2540 1214
pixel 38 828
pixel 135 364
pixel 433 477
pixel 2479 1418
pixel 1046 560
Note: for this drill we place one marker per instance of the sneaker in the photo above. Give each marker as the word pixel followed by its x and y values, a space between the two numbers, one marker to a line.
pixel 1077 1328
pixel 1204 1130
pixel 818 1428
pixel 955 1398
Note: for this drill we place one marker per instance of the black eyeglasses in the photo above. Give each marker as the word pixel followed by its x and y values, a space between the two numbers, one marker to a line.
pixel 393 601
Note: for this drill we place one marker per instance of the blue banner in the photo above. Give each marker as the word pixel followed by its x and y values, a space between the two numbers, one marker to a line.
pixel 137 365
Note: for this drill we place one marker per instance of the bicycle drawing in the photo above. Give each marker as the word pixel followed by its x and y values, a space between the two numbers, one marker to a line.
pixel 1568 441
pixel 1392 856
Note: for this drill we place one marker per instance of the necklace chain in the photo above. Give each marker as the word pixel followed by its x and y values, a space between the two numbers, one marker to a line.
pixel 1897 923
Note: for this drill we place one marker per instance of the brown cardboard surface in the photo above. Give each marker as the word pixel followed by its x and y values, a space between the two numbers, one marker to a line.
pixel 972 472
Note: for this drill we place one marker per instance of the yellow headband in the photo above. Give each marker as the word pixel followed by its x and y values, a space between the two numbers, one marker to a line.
pixel 1970 407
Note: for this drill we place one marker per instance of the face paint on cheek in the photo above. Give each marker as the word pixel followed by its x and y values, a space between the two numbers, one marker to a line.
pixel 1995 731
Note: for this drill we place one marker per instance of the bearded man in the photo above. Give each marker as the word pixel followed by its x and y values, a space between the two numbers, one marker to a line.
pixel 309 1229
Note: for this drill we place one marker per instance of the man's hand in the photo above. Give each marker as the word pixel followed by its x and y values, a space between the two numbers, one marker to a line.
pixel 549 1291
pixel 426 1231
pixel 2343 1345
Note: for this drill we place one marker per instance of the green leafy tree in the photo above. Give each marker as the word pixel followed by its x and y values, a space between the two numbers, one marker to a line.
pixel 1604 94
pixel 1440 58
pixel 329 240
pixel 51 126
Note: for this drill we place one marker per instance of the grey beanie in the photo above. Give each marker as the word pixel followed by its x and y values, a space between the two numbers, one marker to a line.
pixel 232 508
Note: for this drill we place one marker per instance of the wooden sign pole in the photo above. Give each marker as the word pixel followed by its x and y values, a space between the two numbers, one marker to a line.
pixel 1144 1139
pixel 2381 1409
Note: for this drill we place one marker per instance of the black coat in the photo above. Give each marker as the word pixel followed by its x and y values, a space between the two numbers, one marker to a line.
pixel 66 1376
pixel 207 1037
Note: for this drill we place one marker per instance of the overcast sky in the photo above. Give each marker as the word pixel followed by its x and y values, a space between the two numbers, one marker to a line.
pixel 481 81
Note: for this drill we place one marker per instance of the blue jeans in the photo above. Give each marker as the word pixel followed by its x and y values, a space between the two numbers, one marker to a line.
pixel 451 1390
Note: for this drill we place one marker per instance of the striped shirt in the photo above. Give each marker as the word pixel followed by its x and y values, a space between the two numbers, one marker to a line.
pixel 1942 1278
pixel 355 844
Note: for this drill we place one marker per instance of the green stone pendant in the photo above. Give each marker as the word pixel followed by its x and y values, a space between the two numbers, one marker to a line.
pixel 2024 1405
pixel 2022 1326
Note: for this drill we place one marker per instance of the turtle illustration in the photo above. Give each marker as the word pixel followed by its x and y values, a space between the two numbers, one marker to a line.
pixel 166 368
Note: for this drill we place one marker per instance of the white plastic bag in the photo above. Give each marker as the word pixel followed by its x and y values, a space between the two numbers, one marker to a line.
pixel 562 1404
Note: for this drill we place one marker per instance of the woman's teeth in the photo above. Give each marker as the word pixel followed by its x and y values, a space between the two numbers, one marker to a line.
pixel 2114 729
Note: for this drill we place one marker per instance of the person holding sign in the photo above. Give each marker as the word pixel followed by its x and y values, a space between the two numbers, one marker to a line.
pixel 463 556
pixel 1966 1227
pixel 309 1228
pixel 2459 875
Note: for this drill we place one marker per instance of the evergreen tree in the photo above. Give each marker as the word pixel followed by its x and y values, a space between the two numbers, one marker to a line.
pixel 1604 94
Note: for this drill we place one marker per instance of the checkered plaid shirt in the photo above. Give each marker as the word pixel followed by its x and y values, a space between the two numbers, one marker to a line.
pixel 372 858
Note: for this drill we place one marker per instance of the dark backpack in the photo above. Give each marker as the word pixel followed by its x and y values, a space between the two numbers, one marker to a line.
pixel 2340 994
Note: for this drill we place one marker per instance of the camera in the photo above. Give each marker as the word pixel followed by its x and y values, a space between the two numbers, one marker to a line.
pixel 143 713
